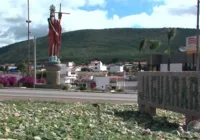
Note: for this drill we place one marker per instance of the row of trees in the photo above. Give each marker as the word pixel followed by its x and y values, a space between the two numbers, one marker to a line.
pixel 5 69
pixel 151 45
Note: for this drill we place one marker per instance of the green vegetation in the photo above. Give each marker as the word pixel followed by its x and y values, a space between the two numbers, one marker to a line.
pixel 149 46
pixel 106 45
pixel 28 120
pixel 22 67
pixel 171 33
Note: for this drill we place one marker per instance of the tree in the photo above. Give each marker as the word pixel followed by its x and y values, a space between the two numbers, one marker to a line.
pixel 149 45
pixel 141 47
pixel 115 60
pixel 2 68
pixel 6 69
pixel 126 69
pixel 171 33
pixel 22 67
pixel 85 69
pixel 153 45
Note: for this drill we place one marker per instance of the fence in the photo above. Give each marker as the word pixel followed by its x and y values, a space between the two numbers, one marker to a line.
pixel 174 91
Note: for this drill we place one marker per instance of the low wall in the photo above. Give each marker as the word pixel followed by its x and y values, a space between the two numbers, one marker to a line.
pixel 174 91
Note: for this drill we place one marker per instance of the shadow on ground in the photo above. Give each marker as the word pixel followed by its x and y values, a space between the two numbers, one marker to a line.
pixel 155 123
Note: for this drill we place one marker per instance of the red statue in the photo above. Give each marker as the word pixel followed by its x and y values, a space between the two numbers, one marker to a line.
pixel 55 32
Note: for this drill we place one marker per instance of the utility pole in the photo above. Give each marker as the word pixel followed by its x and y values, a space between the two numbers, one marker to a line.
pixel 28 21
pixel 34 58
pixel 197 42
pixel 124 80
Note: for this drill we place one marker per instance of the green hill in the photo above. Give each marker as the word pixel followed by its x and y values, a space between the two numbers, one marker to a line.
pixel 106 45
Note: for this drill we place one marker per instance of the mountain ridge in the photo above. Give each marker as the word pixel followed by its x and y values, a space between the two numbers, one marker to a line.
pixel 104 44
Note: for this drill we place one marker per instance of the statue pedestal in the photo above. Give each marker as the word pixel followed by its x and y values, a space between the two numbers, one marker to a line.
pixel 53 75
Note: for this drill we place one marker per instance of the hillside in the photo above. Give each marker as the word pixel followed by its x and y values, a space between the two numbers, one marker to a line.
pixel 106 45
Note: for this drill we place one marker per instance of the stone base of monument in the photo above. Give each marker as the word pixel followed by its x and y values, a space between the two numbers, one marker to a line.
pixel 52 76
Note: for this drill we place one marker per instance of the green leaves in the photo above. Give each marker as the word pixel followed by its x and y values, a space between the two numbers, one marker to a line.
pixel 149 44
pixel 72 121
pixel 153 44
pixel 142 44
pixel 171 33
pixel 22 67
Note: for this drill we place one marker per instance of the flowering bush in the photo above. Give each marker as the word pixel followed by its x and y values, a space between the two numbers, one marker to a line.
pixel 12 81
pixel 41 81
pixel 27 81
pixel 92 85
pixel 4 81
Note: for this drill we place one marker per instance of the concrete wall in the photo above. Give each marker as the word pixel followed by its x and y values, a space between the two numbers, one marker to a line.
pixel 177 67
pixel 102 82
pixel 116 69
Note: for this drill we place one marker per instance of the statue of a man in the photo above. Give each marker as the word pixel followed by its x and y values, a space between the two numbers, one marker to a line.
pixel 55 32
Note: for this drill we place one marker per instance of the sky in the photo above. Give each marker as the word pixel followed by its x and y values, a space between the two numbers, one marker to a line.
pixel 93 14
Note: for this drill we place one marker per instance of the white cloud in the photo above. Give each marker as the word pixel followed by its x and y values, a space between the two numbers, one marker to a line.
pixel 96 2
pixel 169 14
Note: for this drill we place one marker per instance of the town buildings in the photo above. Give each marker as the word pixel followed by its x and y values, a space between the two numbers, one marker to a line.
pixel 103 76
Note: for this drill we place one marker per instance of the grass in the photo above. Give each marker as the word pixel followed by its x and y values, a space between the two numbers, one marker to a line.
pixel 34 120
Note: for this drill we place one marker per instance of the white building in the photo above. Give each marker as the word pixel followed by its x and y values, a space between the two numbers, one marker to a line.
pixel 76 69
pixel 98 66
pixel 63 69
pixel 116 68
pixel 70 77
pixel 102 82
pixel 70 64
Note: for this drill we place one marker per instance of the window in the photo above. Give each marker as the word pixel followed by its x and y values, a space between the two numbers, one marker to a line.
pixel 95 67
pixel 95 64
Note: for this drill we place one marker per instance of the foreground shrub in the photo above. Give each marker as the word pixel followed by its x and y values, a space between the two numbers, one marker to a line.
pixel 4 81
pixel 1 85
pixel 92 85
pixel 83 88
pixel 65 87
pixel 12 81
pixel 27 81
pixel 20 84
pixel 120 90
pixel 41 81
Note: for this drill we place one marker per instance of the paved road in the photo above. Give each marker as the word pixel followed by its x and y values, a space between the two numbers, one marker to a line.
pixel 56 95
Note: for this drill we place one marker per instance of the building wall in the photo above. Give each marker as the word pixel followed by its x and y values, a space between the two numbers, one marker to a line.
pixel 103 68
pixel 98 66
pixel 70 64
pixel 176 67
pixel 78 69
pixel 102 82
pixel 116 68
pixel 63 69
pixel 179 57
pixel 69 73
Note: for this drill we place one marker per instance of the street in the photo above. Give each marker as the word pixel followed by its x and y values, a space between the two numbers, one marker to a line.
pixel 56 95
